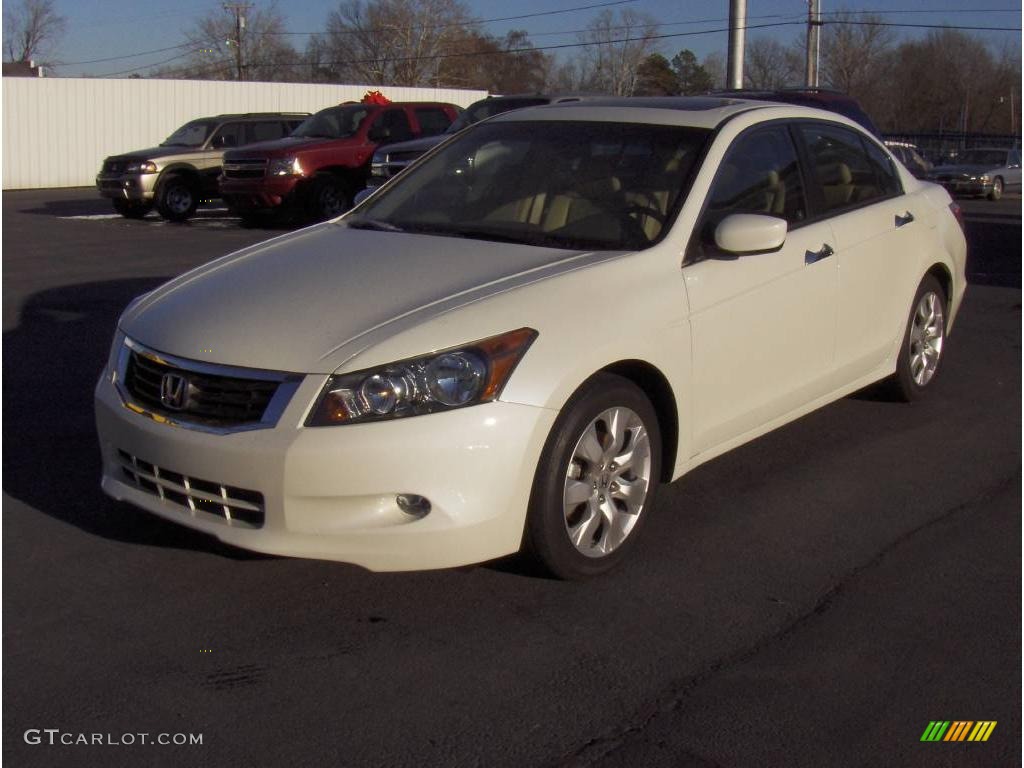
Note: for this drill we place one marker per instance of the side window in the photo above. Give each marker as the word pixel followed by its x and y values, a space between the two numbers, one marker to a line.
pixel 841 166
pixel 759 174
pixel 396 124
pixel 432 120
pixel 885 171
pixel 228 135
pixel 267 131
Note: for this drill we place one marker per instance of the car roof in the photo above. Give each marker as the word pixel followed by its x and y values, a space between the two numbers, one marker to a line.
pixel 693 111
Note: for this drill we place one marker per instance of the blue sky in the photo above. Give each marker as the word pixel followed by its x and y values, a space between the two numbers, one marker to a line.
pixel 105 28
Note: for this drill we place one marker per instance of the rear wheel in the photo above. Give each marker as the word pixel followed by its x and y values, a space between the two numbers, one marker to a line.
pixel 923 342
pixel 177 199
pixel 132 209
pixel 595 481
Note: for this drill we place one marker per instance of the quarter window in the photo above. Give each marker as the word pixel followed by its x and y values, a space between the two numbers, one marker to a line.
pixel 842 167
pixel 885 171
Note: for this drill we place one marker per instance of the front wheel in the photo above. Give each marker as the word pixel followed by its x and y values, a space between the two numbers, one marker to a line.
pixel 329 197
pixel 177 199
pixel 595 481
pixel 923 342
pixel 997 189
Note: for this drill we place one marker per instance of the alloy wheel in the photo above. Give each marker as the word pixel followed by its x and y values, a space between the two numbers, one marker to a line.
pixel 927 334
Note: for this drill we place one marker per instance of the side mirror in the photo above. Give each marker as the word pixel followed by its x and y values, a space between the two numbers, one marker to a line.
pixel 742 234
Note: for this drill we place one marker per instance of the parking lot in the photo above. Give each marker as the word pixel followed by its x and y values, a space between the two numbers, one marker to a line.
pixel 813 598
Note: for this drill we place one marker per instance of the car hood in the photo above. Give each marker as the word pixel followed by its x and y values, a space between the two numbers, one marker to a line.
pixel 415 145
pixel 278 147
pixel 309 301
pixel 969 168
pixel 156 153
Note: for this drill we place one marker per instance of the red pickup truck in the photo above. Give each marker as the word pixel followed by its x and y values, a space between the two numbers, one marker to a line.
pixel 317 170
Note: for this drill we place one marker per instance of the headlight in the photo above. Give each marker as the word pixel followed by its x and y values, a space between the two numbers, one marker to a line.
pixel 284 166
pixel 146 166
pixel 454 378
pixel 985 178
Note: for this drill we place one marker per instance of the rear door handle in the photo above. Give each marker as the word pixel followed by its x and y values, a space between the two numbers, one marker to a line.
pixel 812 256
pixel 906 218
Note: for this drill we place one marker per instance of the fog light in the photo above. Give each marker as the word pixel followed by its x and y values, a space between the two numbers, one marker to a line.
pixel 411 504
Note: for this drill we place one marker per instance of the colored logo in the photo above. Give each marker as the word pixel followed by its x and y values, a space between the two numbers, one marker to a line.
pixel 958 730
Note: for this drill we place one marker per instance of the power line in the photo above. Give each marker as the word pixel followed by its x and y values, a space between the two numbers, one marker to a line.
pixel 126 56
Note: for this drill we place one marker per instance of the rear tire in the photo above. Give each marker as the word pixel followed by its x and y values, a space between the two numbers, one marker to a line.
pixel 132 209
pixel 920 353
pixel 595 481
pixel 177 199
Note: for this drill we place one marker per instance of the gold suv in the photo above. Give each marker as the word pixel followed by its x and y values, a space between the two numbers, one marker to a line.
pixel 180 173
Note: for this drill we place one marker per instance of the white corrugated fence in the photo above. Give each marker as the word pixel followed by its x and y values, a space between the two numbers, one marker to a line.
pixel 56 131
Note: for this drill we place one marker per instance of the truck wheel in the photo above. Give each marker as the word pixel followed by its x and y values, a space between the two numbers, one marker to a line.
pixel 132 209
pixel 329 197
pixel 177 199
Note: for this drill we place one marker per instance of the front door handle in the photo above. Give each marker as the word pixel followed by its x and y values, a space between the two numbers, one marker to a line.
pixel 906 218
pixel 812 256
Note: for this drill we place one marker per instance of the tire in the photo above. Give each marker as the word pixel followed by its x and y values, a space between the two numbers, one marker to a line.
pixel 920 353
pixel 177 199
pixel 581 521
pixel 329 196
pixel 997 188
pixel 131 209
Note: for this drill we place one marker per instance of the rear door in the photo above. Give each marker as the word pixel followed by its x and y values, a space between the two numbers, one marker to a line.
pixel 877 227
pixel 762 325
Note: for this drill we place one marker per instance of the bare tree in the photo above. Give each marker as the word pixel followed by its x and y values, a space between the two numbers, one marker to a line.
pixel 770 65
pixel 31 29
pixel 714 65
pixel 398 42
pixel 856 52
pixel 220 46
pixel 615 48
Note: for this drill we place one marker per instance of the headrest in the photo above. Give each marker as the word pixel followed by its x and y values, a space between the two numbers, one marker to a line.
pixel 836 174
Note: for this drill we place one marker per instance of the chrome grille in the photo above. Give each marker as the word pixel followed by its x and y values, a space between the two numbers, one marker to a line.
pixel 236 507
pixel 247 169
pixel 208 398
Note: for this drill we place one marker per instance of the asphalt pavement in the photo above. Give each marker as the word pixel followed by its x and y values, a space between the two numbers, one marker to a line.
pixel 813 598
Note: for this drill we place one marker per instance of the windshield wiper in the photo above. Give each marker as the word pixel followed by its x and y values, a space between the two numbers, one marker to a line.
pixel 374 224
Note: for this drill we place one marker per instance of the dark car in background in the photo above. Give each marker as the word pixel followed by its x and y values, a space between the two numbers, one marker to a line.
pixel 982 171
pixel 317 170
pixel 390 160
pixel 183 170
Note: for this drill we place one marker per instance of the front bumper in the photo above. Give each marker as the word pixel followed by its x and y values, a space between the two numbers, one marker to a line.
pixel 140 187
pixel 965 186
pixel 330 492
pixel 266 193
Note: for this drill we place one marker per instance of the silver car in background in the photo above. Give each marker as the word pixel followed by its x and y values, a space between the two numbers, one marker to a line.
pixel 988 172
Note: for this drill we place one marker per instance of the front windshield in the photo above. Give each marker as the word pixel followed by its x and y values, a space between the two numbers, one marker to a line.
pixel 333 123
pixel 577 185
pixel 190 134
pixel 489 108
pixel 989 157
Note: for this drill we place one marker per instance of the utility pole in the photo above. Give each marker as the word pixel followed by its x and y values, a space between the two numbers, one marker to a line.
pixel 239 9
pixel 813 41
pixel 737 33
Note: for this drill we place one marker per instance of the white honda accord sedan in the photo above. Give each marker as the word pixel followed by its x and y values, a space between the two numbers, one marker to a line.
pixel 511 345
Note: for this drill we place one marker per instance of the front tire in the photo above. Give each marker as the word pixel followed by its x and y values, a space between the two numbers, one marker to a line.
pixel 596 479
pixel 177 199
pixel 997 189
pixel 329 197
pixel 923 342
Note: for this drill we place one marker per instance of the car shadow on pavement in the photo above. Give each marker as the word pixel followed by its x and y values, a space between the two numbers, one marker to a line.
pixel 73 207
pixel 51 460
